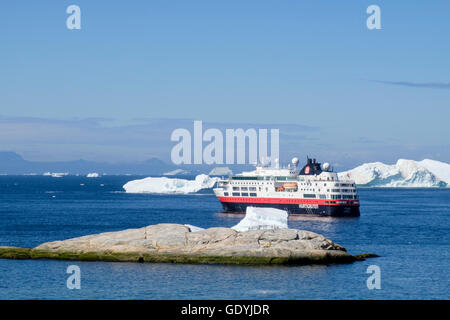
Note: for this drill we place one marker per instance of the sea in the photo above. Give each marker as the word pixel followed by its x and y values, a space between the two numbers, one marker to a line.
pixel 408 228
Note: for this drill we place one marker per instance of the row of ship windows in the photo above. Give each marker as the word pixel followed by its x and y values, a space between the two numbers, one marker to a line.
pixel 305 195
pixel 268 178
pixel 245 188
pixel 343 190
pixel 345 185
pixel 243 194
pixel 303 184
pixel 284 178
pixel 344 197
pixel 262 183
pixel 328 190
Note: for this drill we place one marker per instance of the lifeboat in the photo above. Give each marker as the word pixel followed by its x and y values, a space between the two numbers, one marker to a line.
pixel 290 185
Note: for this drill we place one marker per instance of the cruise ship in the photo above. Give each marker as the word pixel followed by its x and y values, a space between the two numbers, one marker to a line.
pixel 314 189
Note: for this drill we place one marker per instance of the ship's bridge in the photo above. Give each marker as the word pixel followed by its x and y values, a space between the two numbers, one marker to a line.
pixel 269 172
pixel 327 176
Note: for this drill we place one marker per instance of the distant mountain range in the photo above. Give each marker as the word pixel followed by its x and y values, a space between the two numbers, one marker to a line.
pixel 12 163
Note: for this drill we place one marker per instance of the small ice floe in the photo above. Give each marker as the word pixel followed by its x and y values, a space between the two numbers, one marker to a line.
pixel 170 185
pixel 93 175
pixel 262 218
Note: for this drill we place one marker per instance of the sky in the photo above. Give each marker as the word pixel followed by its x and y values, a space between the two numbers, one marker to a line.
pixel 354 95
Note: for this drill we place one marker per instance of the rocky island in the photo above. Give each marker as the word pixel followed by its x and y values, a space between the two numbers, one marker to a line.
pixel 176 243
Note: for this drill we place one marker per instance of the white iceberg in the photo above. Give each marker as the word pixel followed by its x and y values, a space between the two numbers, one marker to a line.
pixel 438 168
pixel 93 175
pixel 175 172
pixel 262 218
pixel 221 171
pixel 56 174
pixel 170 185
pixel 405 173
pixel 194 228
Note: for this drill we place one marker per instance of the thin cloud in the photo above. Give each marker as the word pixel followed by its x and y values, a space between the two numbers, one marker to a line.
pixel 103 138
pixel 88 122
pixel 430 85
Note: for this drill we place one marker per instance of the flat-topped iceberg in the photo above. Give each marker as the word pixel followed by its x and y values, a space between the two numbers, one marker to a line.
pixel 93 175
pixel 55 174
pixel 262 219
pixel 170 185
pixel 175 172
pixel 405 173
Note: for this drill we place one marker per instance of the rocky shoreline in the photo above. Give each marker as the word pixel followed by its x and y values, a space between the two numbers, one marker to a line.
pixel 175 243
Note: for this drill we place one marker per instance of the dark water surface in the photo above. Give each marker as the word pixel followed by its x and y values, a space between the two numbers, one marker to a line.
pixel 408 228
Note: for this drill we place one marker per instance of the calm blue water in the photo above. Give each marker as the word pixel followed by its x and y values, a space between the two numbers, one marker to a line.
pixel 409 229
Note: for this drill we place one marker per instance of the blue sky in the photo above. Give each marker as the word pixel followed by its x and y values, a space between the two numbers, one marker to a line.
pixel 370 95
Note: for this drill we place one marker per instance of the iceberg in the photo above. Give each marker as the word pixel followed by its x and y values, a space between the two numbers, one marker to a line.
pixel 194 228
pixel 175 172
pixel 261 219
pixel 170 185
pixel 438 168
pixel 405 173
pixel 221 171
pixel 93 175
pixel 56 174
